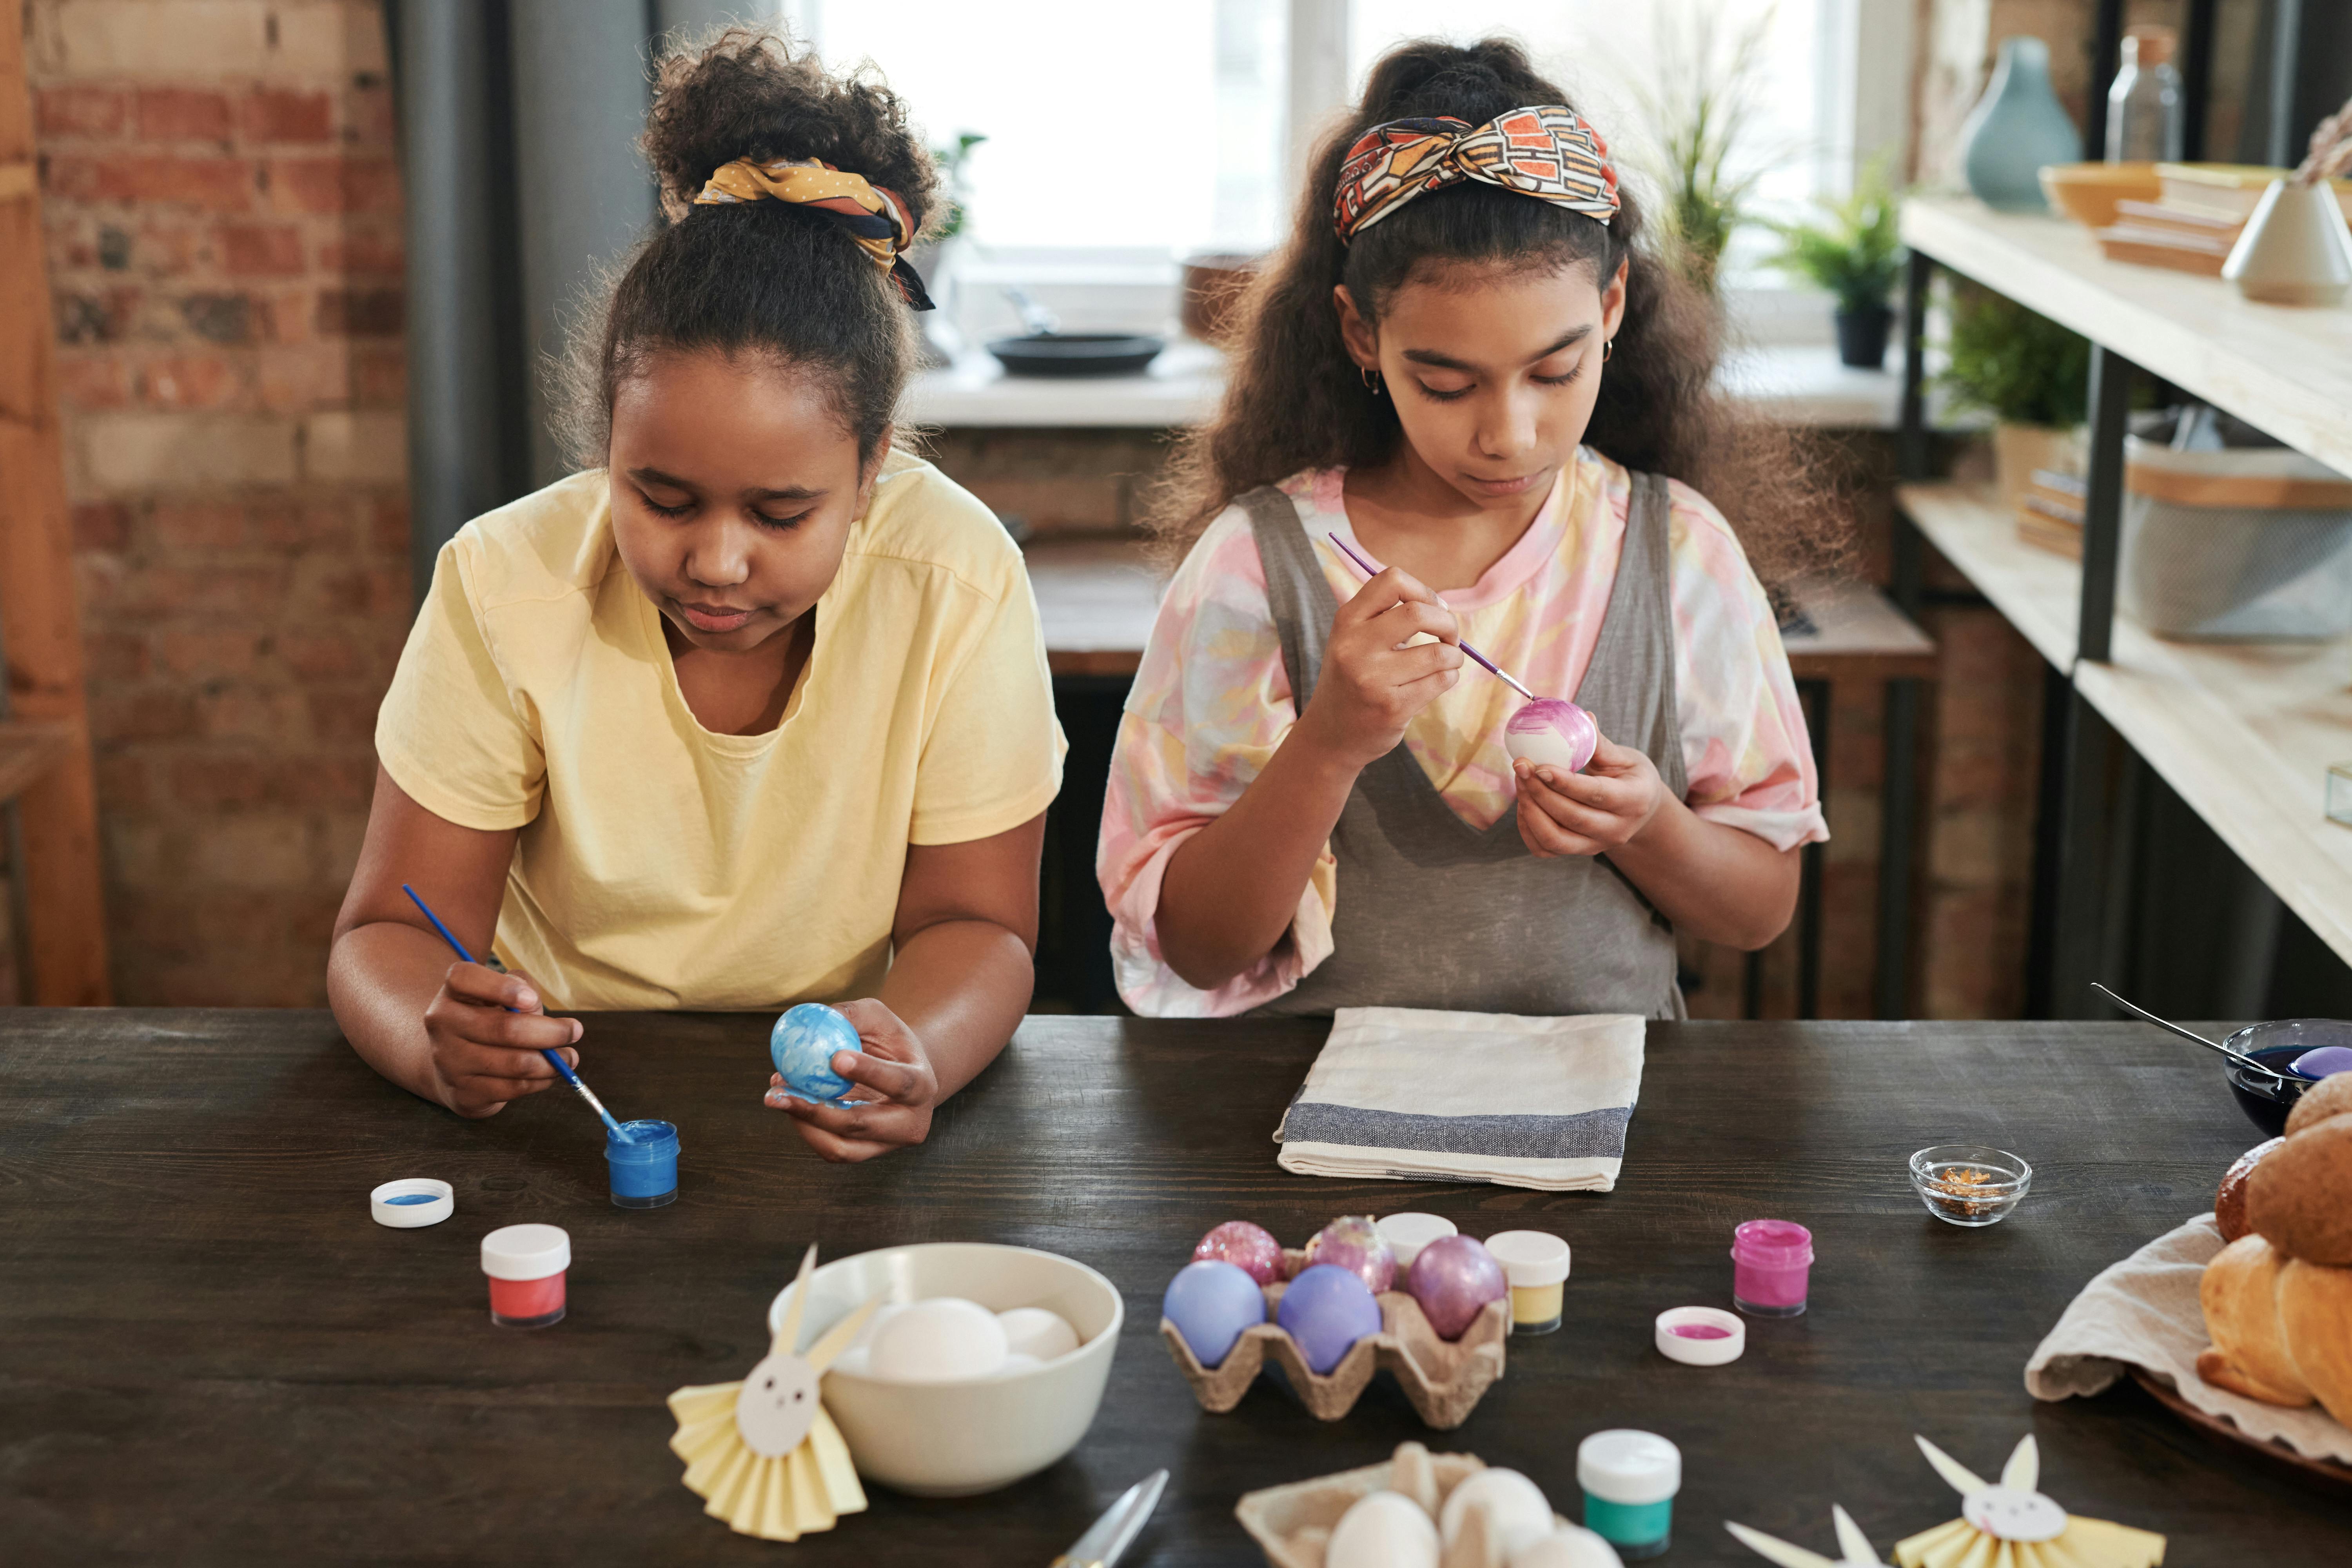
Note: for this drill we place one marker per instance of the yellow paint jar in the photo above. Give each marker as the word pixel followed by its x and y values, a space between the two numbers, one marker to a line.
pixel 1536 1264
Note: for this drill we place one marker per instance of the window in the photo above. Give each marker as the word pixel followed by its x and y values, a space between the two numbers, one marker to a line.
pixel 1122 136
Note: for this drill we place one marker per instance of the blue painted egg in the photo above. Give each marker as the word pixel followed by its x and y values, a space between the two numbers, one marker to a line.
pixel 1210 1303
pixel 802 1046
pixel 1326 1311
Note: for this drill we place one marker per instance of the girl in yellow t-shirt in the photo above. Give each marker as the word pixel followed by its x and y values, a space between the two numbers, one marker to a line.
pixel 757 711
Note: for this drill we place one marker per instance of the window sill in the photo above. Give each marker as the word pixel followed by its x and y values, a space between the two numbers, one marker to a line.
pixel 1801 384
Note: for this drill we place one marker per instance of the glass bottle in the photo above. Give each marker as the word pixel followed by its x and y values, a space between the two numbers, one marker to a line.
pixel 2144 104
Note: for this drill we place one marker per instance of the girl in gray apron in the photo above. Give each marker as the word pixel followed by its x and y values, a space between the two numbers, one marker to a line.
pixel 1466 176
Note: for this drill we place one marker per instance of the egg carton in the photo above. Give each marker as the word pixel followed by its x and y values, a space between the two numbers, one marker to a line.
pixel 1293 1523
pixel 1444 1379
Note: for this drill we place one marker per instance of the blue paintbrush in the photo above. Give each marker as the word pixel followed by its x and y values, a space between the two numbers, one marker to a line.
pixel 554 1060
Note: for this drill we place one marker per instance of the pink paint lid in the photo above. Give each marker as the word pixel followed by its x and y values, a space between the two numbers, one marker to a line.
pixel 1718 1336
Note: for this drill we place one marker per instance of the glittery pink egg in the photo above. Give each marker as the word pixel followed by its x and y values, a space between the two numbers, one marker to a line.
pixel 1453 1278
pixel 1249 1247
pixel 1354 1244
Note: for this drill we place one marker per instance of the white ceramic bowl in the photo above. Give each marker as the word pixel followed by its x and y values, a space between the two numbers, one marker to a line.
pixel 953 1440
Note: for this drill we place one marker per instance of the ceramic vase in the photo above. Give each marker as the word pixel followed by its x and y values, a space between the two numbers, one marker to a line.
pixel 2016 129
pixel 2296 249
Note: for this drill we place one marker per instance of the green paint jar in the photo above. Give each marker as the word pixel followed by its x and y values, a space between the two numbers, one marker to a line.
pixel 1630 1480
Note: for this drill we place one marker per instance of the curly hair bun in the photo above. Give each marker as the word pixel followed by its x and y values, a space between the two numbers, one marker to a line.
pixel 748 95
pixel 1473 82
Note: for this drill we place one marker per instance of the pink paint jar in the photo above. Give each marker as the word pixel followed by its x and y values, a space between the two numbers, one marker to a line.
pixel 526 1265
pixel 1771 1260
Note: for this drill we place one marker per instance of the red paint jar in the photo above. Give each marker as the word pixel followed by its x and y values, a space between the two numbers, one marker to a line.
pixel 1771 1264
pixel 526 1264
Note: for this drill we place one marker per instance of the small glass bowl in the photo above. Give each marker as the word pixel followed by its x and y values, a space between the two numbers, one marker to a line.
pixel 1970 1184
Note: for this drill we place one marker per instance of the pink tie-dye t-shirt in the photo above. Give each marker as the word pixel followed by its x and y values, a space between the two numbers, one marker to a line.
pixel 1212 703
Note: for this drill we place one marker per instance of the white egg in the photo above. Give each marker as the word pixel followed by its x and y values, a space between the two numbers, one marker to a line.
pixel 1567 1546
pixel 1033 1331
pixel 882 1314
pixel 1542 747
pixel 1382 1529
pixel 1517 1511
pixel 1018 1361
pixel 938 1340
pixel 858 1360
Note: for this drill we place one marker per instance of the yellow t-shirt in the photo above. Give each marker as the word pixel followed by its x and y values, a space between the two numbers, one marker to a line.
pixel 660 865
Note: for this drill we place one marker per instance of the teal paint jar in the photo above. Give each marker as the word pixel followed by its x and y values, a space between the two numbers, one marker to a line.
pixel 1630 1480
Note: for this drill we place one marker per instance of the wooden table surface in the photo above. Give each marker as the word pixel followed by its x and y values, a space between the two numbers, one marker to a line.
pixel 208 1352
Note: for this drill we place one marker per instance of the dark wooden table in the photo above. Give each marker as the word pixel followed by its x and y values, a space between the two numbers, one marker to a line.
pixel 209 1354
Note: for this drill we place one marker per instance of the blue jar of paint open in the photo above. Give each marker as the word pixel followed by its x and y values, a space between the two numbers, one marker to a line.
pixel 644 1170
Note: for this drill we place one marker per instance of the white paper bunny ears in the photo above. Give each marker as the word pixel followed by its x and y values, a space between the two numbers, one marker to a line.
pixel 2010 1523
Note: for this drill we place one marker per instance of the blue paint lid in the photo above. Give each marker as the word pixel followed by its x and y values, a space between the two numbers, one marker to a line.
pixel 412 1201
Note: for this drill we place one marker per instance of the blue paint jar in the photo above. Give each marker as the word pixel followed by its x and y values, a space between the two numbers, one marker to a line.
pixel 645 1170
pixel 1630 1480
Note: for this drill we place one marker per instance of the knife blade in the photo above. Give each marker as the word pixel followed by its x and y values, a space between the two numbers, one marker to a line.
pixel 1108 1538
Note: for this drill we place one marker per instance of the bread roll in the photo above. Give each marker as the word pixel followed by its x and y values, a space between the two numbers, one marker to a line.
pixel 2315 1313
pixel 2229 1202
pixel 2249 1354
pixel 2300 1194
pixel 2331 1096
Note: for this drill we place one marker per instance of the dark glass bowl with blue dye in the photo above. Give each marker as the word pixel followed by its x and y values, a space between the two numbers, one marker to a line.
pixel 2264 1098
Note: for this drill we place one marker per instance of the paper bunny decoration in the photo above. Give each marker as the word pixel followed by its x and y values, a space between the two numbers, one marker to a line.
pixel 2014 1524
pixel 763 1452
pixel 1854 1550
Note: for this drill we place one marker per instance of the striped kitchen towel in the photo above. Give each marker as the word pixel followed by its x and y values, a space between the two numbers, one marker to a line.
pixel 1468 1097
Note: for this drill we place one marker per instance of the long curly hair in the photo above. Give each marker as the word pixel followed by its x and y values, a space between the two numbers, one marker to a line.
pixel 1295 401
pixel 760 277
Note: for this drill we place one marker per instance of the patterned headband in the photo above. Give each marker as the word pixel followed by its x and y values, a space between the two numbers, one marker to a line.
pixel 876 218
pixel 1546 151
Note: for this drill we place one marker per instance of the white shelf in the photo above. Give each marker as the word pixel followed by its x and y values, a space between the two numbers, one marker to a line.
pixel 2285 369
pixel 1804 385
pixel 2243 732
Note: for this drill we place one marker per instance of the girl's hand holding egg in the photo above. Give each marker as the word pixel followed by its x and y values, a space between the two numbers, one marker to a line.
pixel 894 1073
pixel 1372 681
pixel 1602 808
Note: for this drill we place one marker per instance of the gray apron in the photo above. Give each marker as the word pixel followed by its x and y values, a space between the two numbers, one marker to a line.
pixel 1434 913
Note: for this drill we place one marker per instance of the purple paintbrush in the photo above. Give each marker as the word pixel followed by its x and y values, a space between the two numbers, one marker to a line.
pixel 1365 566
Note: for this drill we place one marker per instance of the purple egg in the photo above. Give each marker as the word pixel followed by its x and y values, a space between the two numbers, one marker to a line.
pixel 1326 1311
pixel 1249 1247
pixel 1354 1243
pixel 1211 1304
pixel 1453 1278
pixel 1549 730
pixel 2325 1061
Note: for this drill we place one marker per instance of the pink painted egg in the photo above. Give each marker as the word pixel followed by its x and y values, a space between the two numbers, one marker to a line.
pixel 1548 731
pixel 1354 1243
pixel 1248 1248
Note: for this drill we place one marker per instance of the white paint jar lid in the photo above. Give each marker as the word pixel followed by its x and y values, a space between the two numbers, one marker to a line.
pixel 1529 1257
pixel 411 1201
pixel 1407 1234
pixel 1622 1466
pixel 526 1252
pixel 1709 1352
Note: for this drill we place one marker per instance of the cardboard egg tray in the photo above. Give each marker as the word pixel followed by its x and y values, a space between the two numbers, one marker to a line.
pixel 1443 1379
pixel 1292 1524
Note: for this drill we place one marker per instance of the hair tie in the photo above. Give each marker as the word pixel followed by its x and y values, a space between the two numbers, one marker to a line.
pixel 1547 151
pixel 876 216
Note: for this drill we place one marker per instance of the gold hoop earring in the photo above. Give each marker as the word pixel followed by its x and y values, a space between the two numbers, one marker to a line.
pixel 1374 383
pixel 1607 347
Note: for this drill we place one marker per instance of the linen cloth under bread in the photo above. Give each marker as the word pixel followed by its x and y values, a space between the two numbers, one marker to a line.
pixel 1417 1095
pixel 2144 1312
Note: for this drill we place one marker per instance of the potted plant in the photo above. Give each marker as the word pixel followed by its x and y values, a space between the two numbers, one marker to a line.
pixel 1853 252
pixel 1701 105
pixel 2030 373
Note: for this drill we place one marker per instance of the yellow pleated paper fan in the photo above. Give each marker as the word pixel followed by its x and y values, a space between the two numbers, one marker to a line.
pixel 763 1453
pixel 2013 1526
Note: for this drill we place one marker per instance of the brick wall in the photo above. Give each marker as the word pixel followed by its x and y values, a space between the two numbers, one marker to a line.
pixel 225 249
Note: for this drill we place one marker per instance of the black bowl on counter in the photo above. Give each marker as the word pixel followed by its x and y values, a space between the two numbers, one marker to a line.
pixel 1076 353
pixel 2264 1100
